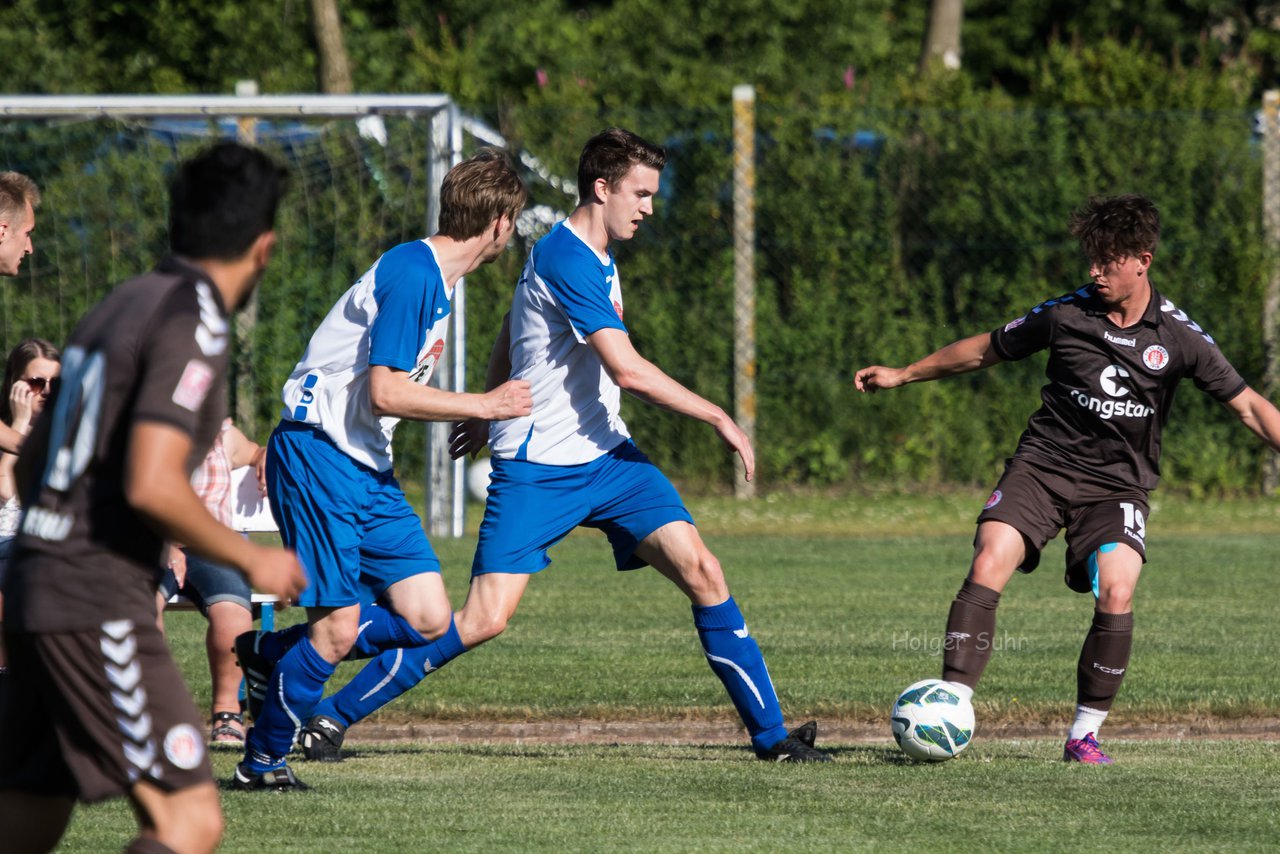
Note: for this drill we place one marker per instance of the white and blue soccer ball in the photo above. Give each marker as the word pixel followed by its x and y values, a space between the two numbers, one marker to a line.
pixel 931 722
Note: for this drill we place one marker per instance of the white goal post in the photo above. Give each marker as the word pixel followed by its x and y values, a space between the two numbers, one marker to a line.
pixel 445 487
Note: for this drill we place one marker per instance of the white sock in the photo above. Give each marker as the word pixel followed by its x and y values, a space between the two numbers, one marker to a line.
pixel 1087 721
pixel 963 691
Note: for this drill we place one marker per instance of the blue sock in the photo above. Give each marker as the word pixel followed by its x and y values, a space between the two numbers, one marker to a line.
pixel 735 658
pixel 296 686
pixel 388 676
pixel 273 645
pixel 382 629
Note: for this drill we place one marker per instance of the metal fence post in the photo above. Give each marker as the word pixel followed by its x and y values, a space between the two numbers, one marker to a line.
pixel 1271 299
pixel 744 272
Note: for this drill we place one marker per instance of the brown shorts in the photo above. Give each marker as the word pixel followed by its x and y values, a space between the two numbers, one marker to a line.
pixel 1039 502
pixel 88 714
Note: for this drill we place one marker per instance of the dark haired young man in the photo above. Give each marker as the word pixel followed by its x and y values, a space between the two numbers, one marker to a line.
pixel 571 462
pixel 97 707
pixel 329 467
pixel 1091 454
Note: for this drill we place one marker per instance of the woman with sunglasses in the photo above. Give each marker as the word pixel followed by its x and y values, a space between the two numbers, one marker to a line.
pixel 28 374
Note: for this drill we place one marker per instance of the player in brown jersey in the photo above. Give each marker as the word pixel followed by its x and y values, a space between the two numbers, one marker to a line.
pixel 1091 454
pixel 97 706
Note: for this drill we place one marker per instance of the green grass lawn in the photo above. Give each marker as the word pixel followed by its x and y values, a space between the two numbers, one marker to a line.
pixel 847 615
pixel 999 796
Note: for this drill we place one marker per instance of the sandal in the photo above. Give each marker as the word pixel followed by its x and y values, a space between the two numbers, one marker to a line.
pixel 228 730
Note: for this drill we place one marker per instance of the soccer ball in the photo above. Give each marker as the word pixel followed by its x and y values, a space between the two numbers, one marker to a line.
pixel 931 722
pixel 478 472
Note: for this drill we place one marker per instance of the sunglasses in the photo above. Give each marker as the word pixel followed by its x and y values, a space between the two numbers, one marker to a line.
pixel 38 384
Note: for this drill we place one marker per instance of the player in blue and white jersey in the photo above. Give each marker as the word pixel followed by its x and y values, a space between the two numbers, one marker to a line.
pixel 329 466
pixel 570 461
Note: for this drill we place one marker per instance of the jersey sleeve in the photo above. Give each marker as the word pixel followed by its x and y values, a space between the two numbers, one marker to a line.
pixel 403 297
pixel 581 288
pixel 184 358
pixel 1210 370
pixel 1025 335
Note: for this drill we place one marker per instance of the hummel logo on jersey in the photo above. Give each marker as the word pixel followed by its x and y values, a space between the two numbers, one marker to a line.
pixel 1123 342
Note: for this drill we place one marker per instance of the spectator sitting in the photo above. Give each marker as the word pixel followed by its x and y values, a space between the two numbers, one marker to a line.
pixel 221 593
pixel 29 372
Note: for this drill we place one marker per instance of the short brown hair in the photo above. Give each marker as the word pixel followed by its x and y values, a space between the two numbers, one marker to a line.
pixel 1114 227
pixel 477 191
pixel 610 155
pixel 16 191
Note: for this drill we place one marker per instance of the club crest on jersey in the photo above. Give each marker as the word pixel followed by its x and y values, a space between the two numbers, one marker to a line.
pixel 1155 357
pixel 994 499
pixel 194 385
pixel 184 747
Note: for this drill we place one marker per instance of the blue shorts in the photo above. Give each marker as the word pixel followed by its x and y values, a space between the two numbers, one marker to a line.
pixel 351 526
pixel 533 506
pixel 209 583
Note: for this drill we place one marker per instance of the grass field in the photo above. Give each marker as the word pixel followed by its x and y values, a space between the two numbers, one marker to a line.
pixel 848 612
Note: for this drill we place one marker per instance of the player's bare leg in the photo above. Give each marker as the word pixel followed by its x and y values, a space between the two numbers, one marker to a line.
pixel 677 551
pixel 423 602
pixel 188 821
pixel 30 824
pixel 491 603
pixel 1104 657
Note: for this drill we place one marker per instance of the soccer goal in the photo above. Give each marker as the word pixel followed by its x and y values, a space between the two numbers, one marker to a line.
pixel 365 175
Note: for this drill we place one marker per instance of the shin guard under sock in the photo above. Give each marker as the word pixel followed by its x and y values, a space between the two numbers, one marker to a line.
pixel 1104 658
pixel 971 626
pixel 296 686
pixel 388 676
pixel 737 660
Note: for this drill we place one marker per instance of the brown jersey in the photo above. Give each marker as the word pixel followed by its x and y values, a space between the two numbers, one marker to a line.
pixel 1110 389
pixel 155 350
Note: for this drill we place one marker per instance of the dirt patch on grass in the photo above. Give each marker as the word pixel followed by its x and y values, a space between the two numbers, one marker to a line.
pixel 725 732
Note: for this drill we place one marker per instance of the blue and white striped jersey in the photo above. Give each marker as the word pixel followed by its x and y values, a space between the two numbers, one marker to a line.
pixel 396 315
pixel 566 292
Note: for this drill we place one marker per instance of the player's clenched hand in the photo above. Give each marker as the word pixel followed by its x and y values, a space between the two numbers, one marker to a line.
pixel 512 399
pixel 733 436
pixel 468 437
pixel 876 377
pixel 278 572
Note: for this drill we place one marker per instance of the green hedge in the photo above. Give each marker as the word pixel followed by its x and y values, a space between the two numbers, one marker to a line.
pixel 889 224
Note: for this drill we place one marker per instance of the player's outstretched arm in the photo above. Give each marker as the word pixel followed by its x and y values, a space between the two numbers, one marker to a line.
pixel 1258 414
pixel 391 392
pixel 959 357
pixel 469 436
pixel 637 376
pixel 156 485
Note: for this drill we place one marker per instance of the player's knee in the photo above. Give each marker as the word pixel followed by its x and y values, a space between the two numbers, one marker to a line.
pixel 1115 597
pixel 429 620
pixel 193 826
pixel 704 577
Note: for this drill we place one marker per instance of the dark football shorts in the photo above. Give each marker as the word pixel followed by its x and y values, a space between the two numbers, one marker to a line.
pixel 88 714
pixel 1039 502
